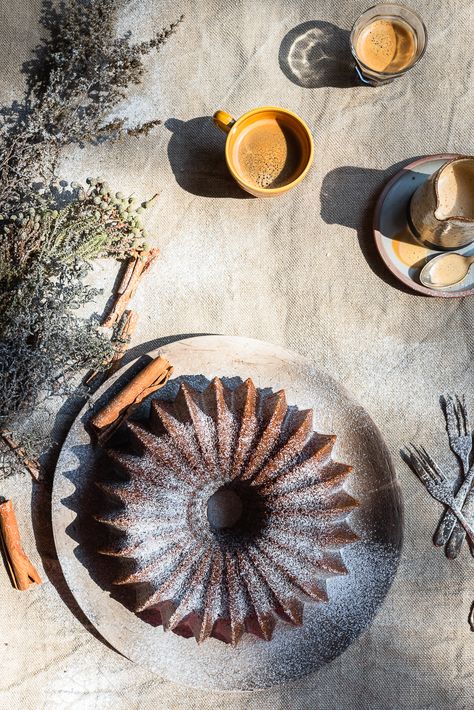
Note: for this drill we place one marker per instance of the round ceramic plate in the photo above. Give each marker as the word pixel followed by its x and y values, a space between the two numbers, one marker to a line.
pixel 328 628
pixel 403 255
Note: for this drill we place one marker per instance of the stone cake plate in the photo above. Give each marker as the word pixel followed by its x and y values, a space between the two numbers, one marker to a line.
pixel 328 628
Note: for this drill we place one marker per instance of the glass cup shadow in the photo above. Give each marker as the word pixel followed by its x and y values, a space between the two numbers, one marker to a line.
pixel 317 54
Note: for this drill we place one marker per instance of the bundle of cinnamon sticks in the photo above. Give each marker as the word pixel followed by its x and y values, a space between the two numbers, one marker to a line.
pixel 135 268
pixel 122 320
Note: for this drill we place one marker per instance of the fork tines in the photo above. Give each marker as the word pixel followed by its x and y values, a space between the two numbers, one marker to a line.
pixel 465 415
pixel 424 462
pixel 457 415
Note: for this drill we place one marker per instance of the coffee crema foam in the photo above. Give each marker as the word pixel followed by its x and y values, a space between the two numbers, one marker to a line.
pixel 386 45
pixel 268 154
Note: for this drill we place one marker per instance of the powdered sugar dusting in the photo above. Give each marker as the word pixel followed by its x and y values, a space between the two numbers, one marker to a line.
pixel 173 469
pixel 371 561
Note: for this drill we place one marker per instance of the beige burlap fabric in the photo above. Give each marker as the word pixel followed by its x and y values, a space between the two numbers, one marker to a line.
pixel 299 271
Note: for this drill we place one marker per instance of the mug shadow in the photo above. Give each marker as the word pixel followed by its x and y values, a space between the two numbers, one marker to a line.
pixel 196 151
pixel 348 198
pixel 316 54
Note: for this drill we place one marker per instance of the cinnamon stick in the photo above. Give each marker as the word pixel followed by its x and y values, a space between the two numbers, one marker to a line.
pixel 136 267
pixel 121 339
pixel 122 336
pixel 153 376
pixel 22 572
pixel 126 289
pixel 20 453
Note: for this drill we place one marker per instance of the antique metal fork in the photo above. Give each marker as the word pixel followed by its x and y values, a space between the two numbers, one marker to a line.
pixel 464 445
pixel 449 531
pixel 436 484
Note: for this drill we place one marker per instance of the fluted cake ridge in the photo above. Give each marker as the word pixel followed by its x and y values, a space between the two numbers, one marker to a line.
pixel 228 512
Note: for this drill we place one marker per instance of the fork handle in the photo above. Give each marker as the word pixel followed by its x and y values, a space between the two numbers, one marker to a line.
pixel 445 528
pixel 456 539
pixel 458 535
pixel 468 510
pixel 454 544
pixel 449 526
pixel 465 523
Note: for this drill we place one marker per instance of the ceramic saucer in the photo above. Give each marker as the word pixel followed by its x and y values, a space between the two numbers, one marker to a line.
pixel 401 252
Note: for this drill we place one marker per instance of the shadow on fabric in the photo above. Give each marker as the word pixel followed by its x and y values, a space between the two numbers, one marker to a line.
pixel 43 532
pixel 348 198
pixel 41 495
pixel 196 152
pixel 317 54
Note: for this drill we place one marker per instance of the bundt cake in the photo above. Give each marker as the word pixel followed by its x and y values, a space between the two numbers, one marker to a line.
pixel 229 509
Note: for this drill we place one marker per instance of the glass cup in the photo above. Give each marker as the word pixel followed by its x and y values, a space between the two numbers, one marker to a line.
pixel 386 41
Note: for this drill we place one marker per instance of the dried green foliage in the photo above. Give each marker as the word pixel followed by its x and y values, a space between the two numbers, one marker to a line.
pixel 45 254
pixel 92 223
pixel 78 76
pixel 49 237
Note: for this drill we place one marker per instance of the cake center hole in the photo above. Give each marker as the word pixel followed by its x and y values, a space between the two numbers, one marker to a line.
pixel 224 508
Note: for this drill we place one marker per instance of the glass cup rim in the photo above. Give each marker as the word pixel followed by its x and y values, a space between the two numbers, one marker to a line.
pixel 385 73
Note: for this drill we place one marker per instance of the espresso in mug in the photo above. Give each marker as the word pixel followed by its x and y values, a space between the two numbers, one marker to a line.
pixel 387 45
pixel 268 153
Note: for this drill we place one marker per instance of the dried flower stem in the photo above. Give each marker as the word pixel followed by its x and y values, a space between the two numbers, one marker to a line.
pixel 20 453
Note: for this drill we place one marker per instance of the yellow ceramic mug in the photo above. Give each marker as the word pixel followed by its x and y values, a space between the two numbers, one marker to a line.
pixel 268 150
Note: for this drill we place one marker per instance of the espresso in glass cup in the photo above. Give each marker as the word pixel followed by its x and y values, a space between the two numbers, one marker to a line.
pixel 387 40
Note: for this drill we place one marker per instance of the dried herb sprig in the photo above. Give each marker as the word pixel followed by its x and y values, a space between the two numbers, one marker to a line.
pixel 78 76
pixel 45 254
pixel 94 222
pixel 48 239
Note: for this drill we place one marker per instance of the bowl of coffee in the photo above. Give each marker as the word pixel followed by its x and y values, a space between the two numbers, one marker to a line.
pixel 268 150
pixel 387 40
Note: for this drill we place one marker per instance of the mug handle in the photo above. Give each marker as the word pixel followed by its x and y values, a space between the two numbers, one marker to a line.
pixel 223 120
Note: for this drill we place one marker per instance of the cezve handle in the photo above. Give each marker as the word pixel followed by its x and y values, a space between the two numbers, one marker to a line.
pixel 223 120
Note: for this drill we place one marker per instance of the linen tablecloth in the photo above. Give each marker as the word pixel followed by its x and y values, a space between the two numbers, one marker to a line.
pixel 299 271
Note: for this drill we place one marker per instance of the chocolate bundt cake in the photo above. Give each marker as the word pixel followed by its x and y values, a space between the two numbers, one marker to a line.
pixel 230 511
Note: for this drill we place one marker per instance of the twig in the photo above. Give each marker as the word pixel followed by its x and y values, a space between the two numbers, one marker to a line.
pixel 20 453
pixel 125 329
pixel 121 339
